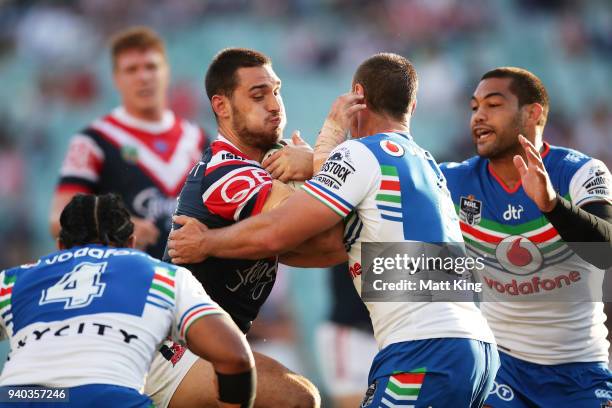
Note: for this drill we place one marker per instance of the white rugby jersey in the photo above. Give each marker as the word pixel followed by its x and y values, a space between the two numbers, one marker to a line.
pixel 94 315
pixel 389 189
pixel 536 289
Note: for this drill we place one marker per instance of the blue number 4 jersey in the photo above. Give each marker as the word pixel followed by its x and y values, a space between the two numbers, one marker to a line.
pixel 94 315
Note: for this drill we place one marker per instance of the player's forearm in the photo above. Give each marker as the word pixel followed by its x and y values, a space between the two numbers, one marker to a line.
pixel 320 260
pixel 255 238
pixel 589 224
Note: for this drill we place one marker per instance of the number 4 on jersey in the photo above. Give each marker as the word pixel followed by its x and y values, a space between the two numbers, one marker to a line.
pixel 78 287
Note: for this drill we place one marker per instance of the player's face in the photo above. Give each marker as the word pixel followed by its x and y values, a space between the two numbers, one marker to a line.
pixel 141 76
pixel 496 119
pixel 257 110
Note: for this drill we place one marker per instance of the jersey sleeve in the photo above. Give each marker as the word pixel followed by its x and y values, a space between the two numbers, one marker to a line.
pixel 345 178
pixel 592 182
pixel 237 191
pixel 191 303
pixel 80 171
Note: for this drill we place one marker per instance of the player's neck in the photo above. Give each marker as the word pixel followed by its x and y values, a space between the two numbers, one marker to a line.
pixel 149 115
pixel 250 151
pixel 381 124
pixel 503 167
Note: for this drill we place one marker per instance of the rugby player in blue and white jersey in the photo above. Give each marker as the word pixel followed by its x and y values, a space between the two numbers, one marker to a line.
pixel 523 204
pixel 387 189
pixel 90 317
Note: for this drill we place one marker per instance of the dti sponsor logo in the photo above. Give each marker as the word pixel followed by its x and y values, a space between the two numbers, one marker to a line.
pixel 513 213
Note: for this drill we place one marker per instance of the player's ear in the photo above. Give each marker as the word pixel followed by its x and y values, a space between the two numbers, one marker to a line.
pixel 221 106
pixel 534 113
pixel 359 89
pixel 413 107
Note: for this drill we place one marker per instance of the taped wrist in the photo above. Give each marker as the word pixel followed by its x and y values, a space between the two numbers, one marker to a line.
pixel 238 388
pixel 330 136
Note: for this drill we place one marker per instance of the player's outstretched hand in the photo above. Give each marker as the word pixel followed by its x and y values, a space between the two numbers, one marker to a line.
pixel 534 177
pixel 187 244
pixel 145 232
pixel 291 162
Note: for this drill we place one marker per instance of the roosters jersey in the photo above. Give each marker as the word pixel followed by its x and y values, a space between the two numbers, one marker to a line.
pixel 225 187
pixel 94 315
pixel 526 260
pixel 145 163
pixel 389 189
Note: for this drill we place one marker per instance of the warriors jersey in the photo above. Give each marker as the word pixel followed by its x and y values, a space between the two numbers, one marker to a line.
pixel 94 315
pixel 145 163
pixel 537 291
pixel 389 189
pixel 225 187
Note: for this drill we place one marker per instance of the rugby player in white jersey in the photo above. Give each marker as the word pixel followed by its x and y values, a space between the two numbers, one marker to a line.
pixel 523 204
pixel 387 189
pixel 90 317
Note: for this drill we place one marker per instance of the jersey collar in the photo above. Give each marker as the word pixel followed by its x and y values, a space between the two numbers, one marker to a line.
pixel 543 154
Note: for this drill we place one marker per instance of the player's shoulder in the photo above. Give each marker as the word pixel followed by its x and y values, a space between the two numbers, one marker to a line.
pixel 221 157
pixel 564 158
pixel 465 168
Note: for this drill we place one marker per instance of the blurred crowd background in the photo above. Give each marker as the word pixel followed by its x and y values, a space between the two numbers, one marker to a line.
pixel 55 77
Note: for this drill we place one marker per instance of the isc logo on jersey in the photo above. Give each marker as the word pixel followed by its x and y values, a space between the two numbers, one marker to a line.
pixel 236 188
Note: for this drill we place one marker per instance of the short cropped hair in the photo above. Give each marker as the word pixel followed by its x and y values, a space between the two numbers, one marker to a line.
pixel 526 86
pixel 221 75
pixel 135 38
pixel 91 219
pixel 390 83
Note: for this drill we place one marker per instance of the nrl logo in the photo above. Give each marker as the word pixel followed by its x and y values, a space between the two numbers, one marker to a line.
pixel 470 210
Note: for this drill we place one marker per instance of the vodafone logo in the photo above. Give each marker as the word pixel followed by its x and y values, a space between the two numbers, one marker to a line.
pixel 391 148
pixel 518 255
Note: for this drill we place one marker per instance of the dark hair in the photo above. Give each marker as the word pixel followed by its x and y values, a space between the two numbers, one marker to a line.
pixel 221 75
pixel 527 87
pixel 139 38
pixel 390 84
pixel 90 219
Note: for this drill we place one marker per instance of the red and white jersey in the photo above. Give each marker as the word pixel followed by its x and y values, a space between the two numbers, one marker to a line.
pixel 227 186
pixel 146 163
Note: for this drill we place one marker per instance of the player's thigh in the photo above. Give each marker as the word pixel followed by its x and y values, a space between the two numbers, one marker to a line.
pixel 277 386
pixel 198 388
pixel 507 391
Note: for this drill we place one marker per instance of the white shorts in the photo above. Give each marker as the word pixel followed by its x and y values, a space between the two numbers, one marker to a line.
pixel 165 376
pixel 345 355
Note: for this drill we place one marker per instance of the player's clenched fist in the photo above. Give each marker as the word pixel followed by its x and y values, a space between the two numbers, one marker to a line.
pixel 187 244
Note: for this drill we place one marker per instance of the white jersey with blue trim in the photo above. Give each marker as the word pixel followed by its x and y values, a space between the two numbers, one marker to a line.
pixel 388 189
pixel 94 315
pixel 537 292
